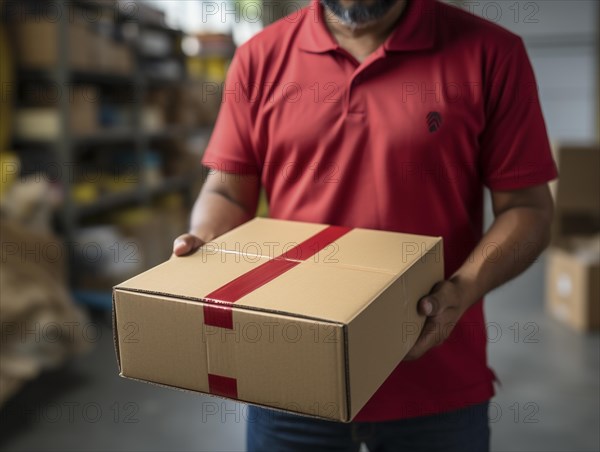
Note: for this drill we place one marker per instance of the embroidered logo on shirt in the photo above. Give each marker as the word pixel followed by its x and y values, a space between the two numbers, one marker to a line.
pixel 434 121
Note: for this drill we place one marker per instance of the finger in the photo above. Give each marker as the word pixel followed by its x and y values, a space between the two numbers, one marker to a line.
pixel 186 244
pixel 428 339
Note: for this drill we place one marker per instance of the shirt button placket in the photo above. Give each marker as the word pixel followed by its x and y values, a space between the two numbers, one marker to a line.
pixel 354 83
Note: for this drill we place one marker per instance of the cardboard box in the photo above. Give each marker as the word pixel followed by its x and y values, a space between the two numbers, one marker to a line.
pixel 84 106
pixel 295 316
pixel 37 44
pixel 122 59
pixel 573 283
pixel 43 123
pixel 576 196
pixel 579 184
pixel 34 123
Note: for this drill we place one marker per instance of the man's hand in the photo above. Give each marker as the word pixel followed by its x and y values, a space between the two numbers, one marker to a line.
pixel 443 307
pixel 521 230
pixel 186 244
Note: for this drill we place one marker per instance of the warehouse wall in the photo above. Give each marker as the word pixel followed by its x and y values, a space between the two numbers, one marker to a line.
pixel 562 41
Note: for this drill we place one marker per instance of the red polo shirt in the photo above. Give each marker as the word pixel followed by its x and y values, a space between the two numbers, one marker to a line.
pixel 405 141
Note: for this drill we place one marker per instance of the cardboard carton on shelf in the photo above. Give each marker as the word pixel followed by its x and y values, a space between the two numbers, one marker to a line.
pixel 43 122
pixel 573 283
pixel 84 109
pixel 295 316
pixel 122 59
pixel 37 44
pixel 577 191
pixel 112 57
pixel 37 123
pixel 579 184
pixel 573 262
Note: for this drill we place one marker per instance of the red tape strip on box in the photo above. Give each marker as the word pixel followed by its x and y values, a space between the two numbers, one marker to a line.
pixel 217 310
pixel 223 386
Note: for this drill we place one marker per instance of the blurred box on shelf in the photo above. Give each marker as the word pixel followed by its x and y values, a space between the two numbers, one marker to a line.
pixel 37 123
pixel 122 59
pixel 572 266
pixel 43 123
pixel 577 190
pixel 197 103
pixel 101 49
pixel 111 57
pixel 84 109
pixel 573 283
pixel 153 118
pixel 89 48
pixel 340 302
pixel 37 44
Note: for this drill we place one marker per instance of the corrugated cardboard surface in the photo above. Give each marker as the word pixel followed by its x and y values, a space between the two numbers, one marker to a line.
pixel 164 340
pixel 577 209
pixel 573 283
pixel 579 185
pixel 318 339
pixel 572 266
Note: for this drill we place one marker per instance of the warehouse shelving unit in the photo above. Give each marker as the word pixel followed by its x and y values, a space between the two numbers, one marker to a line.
pixel 68 147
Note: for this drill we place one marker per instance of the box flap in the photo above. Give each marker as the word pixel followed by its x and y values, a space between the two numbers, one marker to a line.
pixel 344 275
pixel 264 237
pixel 368 249
pixel 390 252
pixel 326 292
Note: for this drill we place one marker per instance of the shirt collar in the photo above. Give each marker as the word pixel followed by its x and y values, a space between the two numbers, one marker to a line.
pixel 415 31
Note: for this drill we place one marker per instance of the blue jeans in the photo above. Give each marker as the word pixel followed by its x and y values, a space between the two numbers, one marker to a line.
pixel 464 430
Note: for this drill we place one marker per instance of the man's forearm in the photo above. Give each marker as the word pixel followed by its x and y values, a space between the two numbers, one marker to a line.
pixel 514 241
pixel 226 201
pixel 214 214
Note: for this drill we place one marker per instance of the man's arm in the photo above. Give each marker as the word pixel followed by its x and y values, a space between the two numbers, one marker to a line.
pixel 225 201
pixel 520 232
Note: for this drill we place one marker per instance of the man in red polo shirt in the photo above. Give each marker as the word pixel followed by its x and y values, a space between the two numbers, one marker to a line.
pixel 393 115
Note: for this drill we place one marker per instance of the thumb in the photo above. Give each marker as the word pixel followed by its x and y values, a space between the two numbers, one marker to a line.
pixel 186 244
pixel 429 306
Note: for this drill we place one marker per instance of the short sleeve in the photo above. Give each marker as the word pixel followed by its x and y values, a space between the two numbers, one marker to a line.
pixel 231 147
pixel 515 150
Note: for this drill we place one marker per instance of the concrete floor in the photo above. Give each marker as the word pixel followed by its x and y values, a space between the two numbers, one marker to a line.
pixel 548 401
